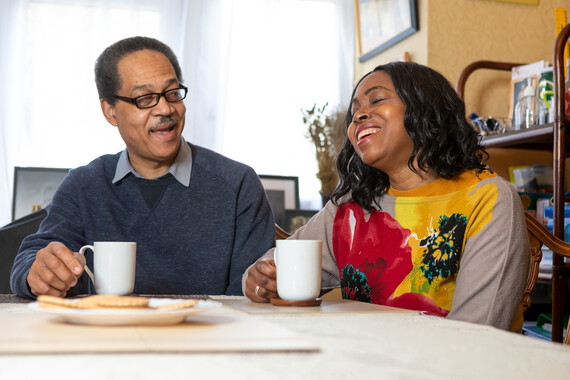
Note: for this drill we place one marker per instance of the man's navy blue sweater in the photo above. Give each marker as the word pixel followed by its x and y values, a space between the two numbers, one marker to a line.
pixel 190 240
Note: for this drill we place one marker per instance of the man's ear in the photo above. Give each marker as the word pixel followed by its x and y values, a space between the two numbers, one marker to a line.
pixel 109 112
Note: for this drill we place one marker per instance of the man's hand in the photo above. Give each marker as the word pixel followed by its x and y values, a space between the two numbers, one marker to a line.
pixel 261 283
pixel 55 270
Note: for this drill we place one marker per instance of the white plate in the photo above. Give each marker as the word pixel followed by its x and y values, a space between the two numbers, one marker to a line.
pixel 128 317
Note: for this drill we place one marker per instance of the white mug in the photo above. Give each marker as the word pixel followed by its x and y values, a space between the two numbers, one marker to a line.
pixel 298 264
pixel 114 266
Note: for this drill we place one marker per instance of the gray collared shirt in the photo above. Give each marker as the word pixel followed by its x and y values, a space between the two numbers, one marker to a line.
pixel 180 169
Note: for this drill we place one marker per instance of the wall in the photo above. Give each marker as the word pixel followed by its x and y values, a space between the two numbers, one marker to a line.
pixel 475 30
pixel 416 45
pixel 454 33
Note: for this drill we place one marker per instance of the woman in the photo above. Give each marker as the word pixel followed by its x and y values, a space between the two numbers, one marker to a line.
pixel 417 221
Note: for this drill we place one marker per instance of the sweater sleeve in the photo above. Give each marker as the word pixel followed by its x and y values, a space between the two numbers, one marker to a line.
pixel 319 227
pixel 61 224
pixel 255 230
pixel 494 266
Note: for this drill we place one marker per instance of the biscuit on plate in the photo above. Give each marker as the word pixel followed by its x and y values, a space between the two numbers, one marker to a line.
pixel 106 301
pixel 177 305
pixel 53 301
pixel 98 301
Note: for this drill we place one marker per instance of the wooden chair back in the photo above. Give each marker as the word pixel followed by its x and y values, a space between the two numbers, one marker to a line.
pixel 280 233
pixel 536 236
pixel 539 235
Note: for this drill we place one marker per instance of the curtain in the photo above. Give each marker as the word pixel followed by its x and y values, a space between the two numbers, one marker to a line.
pixel 8 25
pixel 250 66
pixel 49 107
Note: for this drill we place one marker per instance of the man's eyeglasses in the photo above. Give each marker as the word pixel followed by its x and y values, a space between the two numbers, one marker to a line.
pixel 150 100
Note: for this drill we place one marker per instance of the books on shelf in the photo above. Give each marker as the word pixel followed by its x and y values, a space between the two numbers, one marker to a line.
pixel 545 215
pixel 548 220
pixel 541 204
pixel 545 265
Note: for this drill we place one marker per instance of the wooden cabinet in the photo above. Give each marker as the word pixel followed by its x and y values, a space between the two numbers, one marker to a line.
pixel 551 137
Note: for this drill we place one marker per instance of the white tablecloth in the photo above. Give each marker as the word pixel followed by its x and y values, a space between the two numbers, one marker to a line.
pixel 359 345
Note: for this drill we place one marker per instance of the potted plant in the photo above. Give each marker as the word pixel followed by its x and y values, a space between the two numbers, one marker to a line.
pixel 325 129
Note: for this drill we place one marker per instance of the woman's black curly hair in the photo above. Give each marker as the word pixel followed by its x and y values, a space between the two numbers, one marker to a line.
pixel 445 144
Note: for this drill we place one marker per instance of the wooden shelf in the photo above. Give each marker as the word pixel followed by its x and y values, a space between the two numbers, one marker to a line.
pixel 536 138
pixel 539 137
pixel 549 137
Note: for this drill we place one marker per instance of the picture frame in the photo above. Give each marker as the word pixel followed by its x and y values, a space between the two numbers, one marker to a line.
pixel 516 92
pixel 382 24
pixel 282 193
pixel 522 77
pixel 34 188
pixel 295 219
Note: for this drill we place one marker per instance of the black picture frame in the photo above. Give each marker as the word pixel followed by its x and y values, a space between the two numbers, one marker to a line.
pixel 283 194
pixel 382 24
pixel 34 188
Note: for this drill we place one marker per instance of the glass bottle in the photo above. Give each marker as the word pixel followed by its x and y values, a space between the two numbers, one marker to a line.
pixel 527 108
pixel 545 95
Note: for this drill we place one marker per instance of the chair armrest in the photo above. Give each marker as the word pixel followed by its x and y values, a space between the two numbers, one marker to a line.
pixel 556 244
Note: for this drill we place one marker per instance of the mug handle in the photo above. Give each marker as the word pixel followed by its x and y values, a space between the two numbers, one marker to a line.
pixel 275 256
pixel 86 268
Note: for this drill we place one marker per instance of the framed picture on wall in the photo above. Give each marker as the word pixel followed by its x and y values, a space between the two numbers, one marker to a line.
pixel 283 194
pixel 383 23
pixel 34 188
pixel 295 219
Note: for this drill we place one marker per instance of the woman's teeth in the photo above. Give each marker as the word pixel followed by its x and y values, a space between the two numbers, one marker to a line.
pixel 366 132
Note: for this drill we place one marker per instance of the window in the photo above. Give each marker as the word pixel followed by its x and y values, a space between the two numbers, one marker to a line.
pixel 250 67
pixel 49 107
pixel 269 82
pixel 64 127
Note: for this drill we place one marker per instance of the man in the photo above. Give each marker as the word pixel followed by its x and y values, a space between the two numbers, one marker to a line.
pixel 199 219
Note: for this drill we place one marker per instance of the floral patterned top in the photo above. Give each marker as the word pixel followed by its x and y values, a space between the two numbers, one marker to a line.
pixel 453 248
pixel 408 254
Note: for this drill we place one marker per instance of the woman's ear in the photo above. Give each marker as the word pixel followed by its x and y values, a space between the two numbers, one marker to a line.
pixel 109 112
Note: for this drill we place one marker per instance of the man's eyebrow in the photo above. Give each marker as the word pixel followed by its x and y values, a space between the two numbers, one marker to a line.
pixel 167 83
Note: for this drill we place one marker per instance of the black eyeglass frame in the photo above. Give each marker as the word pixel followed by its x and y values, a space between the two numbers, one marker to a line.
pixel 162 94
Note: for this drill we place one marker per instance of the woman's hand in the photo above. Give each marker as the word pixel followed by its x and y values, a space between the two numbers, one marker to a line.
pixel 261 283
